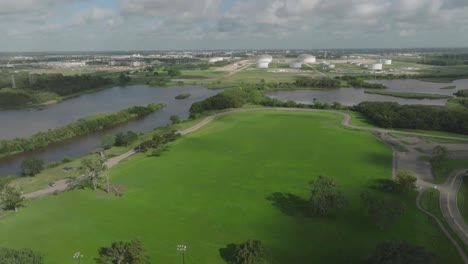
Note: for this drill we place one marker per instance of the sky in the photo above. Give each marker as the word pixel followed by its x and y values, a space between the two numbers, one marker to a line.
pixel 97 25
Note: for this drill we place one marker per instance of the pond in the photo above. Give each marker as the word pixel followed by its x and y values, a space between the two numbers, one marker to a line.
pixel 354 96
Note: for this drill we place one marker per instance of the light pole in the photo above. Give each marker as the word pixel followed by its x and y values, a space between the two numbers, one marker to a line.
pixel 78 256
pixel 182 249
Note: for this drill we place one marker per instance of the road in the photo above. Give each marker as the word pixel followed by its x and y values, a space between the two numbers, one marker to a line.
pixel 449 205
pixel 448 191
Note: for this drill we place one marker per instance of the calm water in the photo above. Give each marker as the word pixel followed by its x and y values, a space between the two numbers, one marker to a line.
pixel 353 96
pixel 24 123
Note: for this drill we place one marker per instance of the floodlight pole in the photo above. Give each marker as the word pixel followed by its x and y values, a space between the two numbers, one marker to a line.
pixel 182 249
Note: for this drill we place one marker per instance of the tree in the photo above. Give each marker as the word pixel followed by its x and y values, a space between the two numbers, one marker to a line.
pixel 122 139
pixel 173 72
pixel 326 196
pixel 383 212
pixel 123 79
pixel 108 141
pixel 175 119
pixel 91 170
pixel 32 166
pixel 400 252
pixel 14 256
pixel 406 180
pixel 439 155
pixel 11 198
pixel 249 252
pixel 122 252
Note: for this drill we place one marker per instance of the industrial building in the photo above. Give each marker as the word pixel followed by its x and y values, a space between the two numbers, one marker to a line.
pixel 306 58
pixel 295 65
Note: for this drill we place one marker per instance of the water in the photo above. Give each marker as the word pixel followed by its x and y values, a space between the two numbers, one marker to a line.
pixel 26 122
pixel 354 96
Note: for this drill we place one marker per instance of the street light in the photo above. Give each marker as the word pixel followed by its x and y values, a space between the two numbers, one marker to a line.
pixel 78 256
pixel 182 249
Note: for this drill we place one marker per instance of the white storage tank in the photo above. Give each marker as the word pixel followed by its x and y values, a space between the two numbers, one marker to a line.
pixel 386 62
pixel 375 67
pixel 262 65
pixel 306 58
pixel 265 58
pixel 295 65
pixel 215 59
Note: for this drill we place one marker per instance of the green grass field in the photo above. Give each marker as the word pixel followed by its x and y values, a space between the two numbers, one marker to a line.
pixel 462 199
pixel 210 190
pixel 448 166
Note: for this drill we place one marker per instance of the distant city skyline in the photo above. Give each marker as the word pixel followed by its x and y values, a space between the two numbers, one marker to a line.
pixel 107 25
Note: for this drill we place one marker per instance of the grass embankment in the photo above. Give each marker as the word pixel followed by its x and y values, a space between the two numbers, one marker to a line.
pixel 22 98
pixel 410 95
pixel 462 199
pixel 430 201
pixel 83 126
pixel 449 87
pixel 210 190
pixel 441 172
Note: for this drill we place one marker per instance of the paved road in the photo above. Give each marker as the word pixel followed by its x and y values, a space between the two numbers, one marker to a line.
pixel 449 205
pixel 448 191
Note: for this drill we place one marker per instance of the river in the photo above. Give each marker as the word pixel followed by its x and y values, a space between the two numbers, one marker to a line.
pixel 26 122
pixel 353 96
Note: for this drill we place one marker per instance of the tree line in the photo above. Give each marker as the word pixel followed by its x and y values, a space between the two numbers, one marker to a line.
pixel 81 127
pixel 394 115
pixel 64 85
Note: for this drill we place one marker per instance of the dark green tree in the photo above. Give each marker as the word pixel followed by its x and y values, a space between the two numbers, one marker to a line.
pixel 108 141
pixel 32 166
pixel 11 198
pixel 400 253
pixel 173 72
pixel 123 79
pixel 122 252
pixel 383 212
pixel 125 139
pixel 326 197
pixel 406 180
pixel 20 256
pixel 439 155
pixel 175 119
pixel 249 252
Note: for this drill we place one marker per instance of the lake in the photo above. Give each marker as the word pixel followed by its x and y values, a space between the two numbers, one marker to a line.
pixel 26 122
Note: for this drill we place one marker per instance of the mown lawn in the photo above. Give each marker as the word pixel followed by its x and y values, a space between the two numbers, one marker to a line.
pixel 210 190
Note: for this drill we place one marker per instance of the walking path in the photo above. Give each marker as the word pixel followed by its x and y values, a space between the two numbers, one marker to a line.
pixel 408 160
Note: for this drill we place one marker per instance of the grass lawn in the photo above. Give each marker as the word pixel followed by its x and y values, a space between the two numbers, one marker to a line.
pixel 210 190
pixel 441 173
pixel 462 199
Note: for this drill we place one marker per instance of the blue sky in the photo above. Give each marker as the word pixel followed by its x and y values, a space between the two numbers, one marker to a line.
pixel 65 25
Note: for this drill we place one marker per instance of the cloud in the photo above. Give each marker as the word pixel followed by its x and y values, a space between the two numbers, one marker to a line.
pixel 185 22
